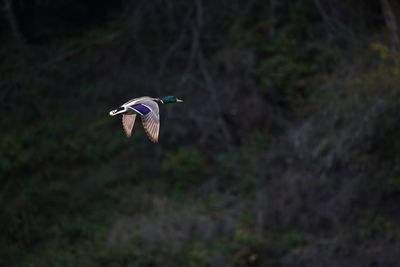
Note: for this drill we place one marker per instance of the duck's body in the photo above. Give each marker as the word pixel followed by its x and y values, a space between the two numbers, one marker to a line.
pixel 147 108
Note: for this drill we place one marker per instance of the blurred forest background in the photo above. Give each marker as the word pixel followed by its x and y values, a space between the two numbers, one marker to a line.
pixel 285 152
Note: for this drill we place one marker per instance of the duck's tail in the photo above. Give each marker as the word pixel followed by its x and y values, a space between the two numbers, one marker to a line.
pixel 117 111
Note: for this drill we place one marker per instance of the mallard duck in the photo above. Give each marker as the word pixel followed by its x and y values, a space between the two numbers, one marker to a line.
pixel 147 108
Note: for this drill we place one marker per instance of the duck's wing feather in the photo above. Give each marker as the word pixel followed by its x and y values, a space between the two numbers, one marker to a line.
pixel 151 120
pixel 128 120
pixel 138 100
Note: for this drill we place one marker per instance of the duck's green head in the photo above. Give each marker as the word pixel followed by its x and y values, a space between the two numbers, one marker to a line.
pixel 170 99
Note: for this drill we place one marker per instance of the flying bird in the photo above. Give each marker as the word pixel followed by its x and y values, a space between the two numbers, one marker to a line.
pixel 147 108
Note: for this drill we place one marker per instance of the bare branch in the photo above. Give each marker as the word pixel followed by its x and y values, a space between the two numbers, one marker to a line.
pixel 334 22
pixel 8 8
pixel 391 13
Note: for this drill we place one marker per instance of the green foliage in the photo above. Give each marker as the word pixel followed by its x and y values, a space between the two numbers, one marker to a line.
pixel 184 168
pixel 13 155
pixel 292 239
pixel 194 256
pixel 363 118
pixel 320 185
pixel 239 170
pixel 288 54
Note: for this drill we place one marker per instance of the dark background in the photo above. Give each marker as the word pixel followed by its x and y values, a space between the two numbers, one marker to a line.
pixel 284 153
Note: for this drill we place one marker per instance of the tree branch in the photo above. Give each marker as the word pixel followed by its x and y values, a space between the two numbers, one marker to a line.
pixel 8 8
pixel 391 13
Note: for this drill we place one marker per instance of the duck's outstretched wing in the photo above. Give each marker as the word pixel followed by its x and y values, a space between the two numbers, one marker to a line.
pixel 128 120
pixel 151 119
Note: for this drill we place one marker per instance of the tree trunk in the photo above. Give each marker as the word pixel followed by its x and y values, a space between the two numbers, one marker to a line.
pixel 8 8
pixel 391 13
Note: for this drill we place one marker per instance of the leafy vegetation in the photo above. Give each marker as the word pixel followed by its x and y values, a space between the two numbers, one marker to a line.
pixel 284 153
